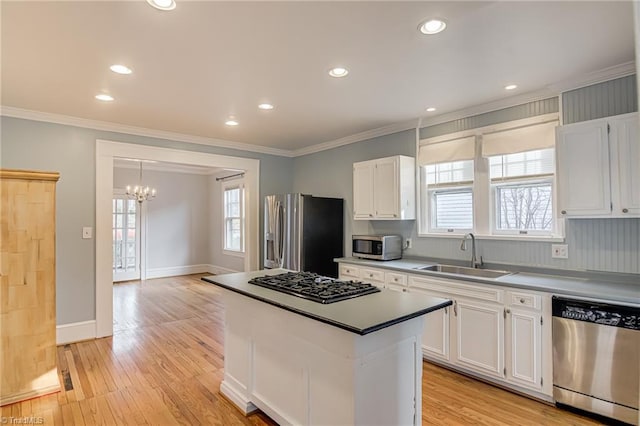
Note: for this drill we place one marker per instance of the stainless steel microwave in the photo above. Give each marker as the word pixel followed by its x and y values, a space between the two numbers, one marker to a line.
pixel 378 247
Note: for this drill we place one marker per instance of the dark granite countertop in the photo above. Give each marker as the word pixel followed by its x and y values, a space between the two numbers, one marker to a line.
pixel 360 315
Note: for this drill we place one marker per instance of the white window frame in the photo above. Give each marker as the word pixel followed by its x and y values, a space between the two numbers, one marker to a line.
pixel 226 187
pixel 530 232
pixel 429 190
pixel 483 194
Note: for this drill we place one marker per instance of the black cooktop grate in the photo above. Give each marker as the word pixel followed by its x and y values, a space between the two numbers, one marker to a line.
pixel 314 287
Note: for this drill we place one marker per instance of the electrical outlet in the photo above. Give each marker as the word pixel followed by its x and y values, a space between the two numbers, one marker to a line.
pixel 407 244
pixel 559 251
pixel 87 233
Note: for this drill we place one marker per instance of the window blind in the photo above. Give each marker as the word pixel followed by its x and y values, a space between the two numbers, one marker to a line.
pixel 522 164
pixel 447 151
pixel 521 139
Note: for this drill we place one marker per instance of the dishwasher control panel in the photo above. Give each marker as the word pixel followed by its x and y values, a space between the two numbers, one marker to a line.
pixel 597 313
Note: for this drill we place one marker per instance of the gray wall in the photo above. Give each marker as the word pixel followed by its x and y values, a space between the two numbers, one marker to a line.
pixel 28 144
pixel 177 219
pixel 594 244
pixel 217 256
pixel 613 97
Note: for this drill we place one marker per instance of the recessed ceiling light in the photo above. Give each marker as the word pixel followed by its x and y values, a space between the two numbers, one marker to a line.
pixel 431 109
pixel 338 72
pixel 265 106
pixel 432 26
pixel 120 69
pixel 104 97
pixel 163 4
pixel 510 87
pixel 231 123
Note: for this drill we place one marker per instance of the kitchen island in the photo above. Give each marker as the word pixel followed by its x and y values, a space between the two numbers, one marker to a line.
pixel 356 361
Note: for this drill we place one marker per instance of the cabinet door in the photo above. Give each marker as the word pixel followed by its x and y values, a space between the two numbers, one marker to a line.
pixel 363 207
pixel 626 141
pixel 524 348
pixel 479 337
pixel 435 338
pixel 583 169
pixel 387 187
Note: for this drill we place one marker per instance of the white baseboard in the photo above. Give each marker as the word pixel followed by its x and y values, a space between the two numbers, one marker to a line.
pixel 173 271
pixel 75 332
pixel 237 397
pixel 218 270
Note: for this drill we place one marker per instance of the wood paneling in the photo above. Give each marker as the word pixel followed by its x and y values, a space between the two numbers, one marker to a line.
pixel 27 282
pixel 613 97
pixel 164 365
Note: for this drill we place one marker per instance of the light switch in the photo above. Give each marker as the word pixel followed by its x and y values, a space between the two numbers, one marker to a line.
pixel 87 233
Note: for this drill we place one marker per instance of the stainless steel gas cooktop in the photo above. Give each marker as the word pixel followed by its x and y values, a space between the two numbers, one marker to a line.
pixel 314 287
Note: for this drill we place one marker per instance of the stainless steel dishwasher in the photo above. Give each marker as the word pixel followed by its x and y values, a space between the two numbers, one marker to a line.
pixel 596 357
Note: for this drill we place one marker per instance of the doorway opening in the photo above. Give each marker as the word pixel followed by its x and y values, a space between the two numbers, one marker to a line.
pixel 106 213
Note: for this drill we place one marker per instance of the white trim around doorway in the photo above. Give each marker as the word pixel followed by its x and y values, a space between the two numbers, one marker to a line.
pixel 106 151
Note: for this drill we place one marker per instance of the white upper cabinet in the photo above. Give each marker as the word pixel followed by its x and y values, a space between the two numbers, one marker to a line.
pixel 597 168
pixel 582 151
pixel 384 189
pixel 625 143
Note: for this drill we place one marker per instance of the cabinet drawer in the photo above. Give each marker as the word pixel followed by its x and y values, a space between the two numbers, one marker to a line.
pixel 458 288
pixel 525 300
pixel 368 275
pixel 349 271
pixel 395 278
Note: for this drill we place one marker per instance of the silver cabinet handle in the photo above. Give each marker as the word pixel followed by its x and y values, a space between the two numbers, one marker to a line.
pixel 404 289
pixel 625 210
pixel 563 212
pixel 395 215
pixel 508 311
pixel 370 215
pixel 521 300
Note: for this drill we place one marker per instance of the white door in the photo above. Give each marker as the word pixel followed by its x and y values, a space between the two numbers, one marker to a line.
pixel 583 169
pixel 626 137
pixel 363 190
pixel 126 239
pixel 524 351
pixel 386 186
pixel 479 337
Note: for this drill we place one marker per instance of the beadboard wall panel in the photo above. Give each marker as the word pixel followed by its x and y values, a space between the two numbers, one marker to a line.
pixel 530 109
pixel 613 97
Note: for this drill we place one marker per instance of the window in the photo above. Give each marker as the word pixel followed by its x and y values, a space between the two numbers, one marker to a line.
pixel 522 188
pixel 233 205
pixel 494 181
pixel 450 195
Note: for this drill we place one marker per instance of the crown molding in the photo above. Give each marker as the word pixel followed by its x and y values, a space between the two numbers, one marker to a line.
pixel 107 126
pixel 368 134
pixel 605 74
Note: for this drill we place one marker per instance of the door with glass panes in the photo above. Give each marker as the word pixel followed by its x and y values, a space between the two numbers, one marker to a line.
pixel 126 239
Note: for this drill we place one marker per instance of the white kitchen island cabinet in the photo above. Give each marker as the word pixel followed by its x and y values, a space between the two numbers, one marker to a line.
pixel 357 361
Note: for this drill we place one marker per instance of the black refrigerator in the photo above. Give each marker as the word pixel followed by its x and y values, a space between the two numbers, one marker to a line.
pixel 303 233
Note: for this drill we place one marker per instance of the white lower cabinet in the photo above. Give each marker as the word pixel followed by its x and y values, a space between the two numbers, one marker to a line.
pixel 523 340
pixel 499 333
pixel 435 339
pixel 479 336
pixel 493 331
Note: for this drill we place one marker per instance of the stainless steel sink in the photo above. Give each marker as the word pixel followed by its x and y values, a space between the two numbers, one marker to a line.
pixel 461 270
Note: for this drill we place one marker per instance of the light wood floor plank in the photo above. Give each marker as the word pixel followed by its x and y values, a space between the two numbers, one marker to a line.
pixel 164 365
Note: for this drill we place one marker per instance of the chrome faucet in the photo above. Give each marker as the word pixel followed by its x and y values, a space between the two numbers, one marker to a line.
pixel 463 247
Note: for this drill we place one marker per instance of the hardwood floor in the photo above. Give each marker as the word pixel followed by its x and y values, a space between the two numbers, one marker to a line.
pixel 163 366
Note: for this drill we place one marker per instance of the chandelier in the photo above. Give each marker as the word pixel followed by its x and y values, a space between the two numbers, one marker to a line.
pixel 141 193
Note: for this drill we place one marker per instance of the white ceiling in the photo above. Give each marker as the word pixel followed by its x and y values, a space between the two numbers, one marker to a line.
pixel 205 61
